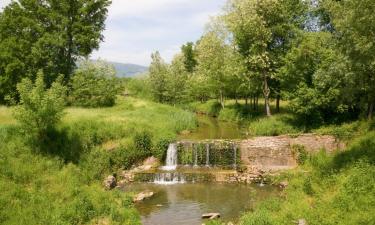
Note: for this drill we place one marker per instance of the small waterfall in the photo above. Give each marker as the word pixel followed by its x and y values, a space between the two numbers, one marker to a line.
pixel 169 178
pixel 171 159
pixel 196 156
pixel 208 155
pixel 235 156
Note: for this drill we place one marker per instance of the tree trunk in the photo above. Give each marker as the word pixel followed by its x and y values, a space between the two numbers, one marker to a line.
pixel 246 99
pixel 370 110
pixel 266 92
pixel 257 103
pixel 222 99
pixel 278 103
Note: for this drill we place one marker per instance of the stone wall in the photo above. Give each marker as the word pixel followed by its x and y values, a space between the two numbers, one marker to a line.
pixel 275 153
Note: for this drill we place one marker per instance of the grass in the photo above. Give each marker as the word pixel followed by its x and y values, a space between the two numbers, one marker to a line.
pixel 328 189
pixel 61 182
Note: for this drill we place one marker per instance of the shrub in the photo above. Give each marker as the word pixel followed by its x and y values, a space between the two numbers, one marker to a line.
pixel 40 109
pixel 143 142
pixel 159 149
pixel 94 85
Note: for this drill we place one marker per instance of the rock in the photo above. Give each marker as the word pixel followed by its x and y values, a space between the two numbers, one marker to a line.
pixel 110 182
pixel 283 184
pixel 211 216
pixel 142 196
pixel 302 222
pixel 151 161
pixel 185 132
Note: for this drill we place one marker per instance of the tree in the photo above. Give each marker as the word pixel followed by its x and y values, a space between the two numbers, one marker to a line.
pixel 317 79
pixel 94 84
pixel 49 35
pixel 40 109
pixel 212 53
pixel 353 23
pixel 189 56
pixel 177 80
pixel 158 77
pixel 262 31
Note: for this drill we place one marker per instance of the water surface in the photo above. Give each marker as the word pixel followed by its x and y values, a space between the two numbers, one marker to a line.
pixel 212 128
pixel 184 204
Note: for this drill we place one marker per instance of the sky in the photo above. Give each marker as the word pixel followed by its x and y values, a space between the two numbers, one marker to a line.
pixel 136 28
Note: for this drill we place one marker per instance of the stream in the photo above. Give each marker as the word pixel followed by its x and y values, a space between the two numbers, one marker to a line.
pixel 213 128
pixel 184 204
pixel 178 200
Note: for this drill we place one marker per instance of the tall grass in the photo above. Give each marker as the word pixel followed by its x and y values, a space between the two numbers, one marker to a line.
pixel 61 183
pixel 328 189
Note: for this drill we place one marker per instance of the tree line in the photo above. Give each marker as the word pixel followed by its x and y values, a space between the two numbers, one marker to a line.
pixel 318 55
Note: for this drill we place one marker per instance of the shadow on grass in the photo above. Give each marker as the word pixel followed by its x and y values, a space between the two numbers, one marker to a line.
pixel 62 143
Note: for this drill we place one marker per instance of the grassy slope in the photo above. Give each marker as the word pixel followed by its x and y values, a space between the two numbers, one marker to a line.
pixel 63 184
pixel 338 189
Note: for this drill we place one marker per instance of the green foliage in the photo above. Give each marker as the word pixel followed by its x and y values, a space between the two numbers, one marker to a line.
pixel 40 109
pixel 28 41
pixel 300 153
pixel 325 187
pixel 185 156
pixel 138 87
pixel 158 77
pixel 189 57
pixel 353 23
pixel 211 108
pixel 159 148
pixel 32 183
pixel 143 142
pixel 94 85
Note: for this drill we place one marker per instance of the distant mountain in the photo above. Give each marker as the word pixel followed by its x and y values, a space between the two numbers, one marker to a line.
pixel 124 69
pixel 128 70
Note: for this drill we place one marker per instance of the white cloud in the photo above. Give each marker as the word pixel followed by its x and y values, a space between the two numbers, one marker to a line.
pixel 136 28
pixel 4 3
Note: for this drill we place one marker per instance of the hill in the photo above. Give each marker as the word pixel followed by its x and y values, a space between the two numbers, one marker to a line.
pixel 128 70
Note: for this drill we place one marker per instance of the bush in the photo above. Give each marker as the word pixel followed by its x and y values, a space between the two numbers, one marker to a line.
pixel 143 142
pixel 94 85
pixel 159 149
pixel 40 109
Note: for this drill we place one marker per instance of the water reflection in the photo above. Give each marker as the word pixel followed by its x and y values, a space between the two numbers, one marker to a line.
pixel 185 203
pixel 212 128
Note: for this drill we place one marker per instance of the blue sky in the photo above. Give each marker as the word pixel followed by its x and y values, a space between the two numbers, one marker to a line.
pixel 136 28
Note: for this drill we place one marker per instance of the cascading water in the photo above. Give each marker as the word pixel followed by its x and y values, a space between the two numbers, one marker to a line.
pixel 171 159
pixel 196 156
pixel 169 178
pixel 208 155
pixel 235 156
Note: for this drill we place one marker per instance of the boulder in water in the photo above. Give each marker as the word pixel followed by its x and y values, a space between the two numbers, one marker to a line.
pixel 211 216
pixel 142 196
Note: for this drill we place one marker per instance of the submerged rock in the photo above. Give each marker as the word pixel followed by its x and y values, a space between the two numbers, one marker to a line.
pixel 142 196
pixel 211 216
pixel 110 182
